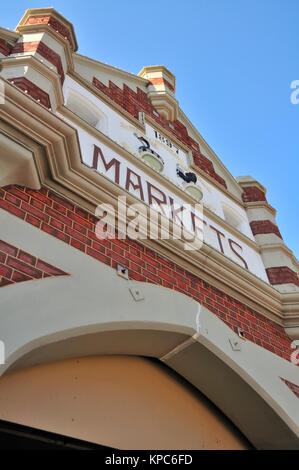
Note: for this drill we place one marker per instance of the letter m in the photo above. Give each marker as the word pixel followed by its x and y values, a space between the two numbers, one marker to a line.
pixel 107 165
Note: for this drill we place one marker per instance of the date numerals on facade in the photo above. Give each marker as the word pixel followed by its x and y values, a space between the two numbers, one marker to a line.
pixel 166 141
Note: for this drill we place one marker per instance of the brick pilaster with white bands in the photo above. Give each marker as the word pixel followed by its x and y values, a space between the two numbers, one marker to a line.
pixel 48 38
pixel 280 263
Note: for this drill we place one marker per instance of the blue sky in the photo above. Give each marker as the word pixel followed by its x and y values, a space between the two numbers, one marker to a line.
pixel 234 61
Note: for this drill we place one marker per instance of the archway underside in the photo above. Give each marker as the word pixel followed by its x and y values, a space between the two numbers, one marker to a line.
pixel 123 402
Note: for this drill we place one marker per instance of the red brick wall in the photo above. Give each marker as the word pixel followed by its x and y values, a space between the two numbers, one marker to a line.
pixel 264 226
pixel 253 194
pixel 5 48
pixel 74 226
pixel 52 22
pixel 137 102
pixel 161 81
pixel 282 275
pixel 18 266
pixel 32 90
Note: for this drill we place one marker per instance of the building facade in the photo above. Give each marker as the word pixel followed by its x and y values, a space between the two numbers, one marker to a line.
pixel 122 340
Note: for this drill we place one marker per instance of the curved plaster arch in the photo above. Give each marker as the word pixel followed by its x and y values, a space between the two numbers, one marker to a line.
pixel 165 324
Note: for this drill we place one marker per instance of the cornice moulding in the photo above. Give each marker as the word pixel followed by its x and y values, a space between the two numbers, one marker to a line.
pixel 260 205
pixel 10 36
pixel 156 68
pixel 280 247
pixel 247 181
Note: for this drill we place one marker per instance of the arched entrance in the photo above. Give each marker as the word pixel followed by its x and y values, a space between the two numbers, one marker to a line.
pixel 124 402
